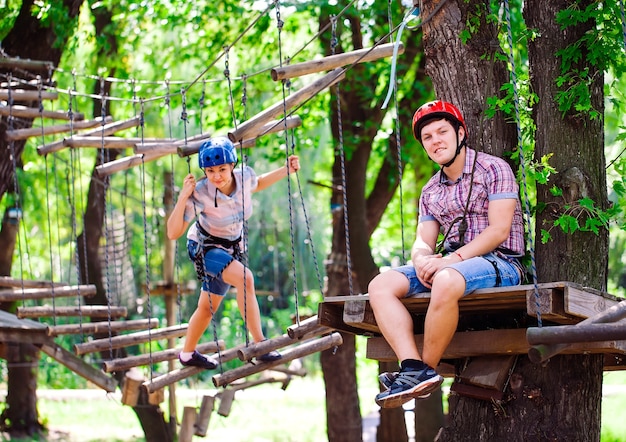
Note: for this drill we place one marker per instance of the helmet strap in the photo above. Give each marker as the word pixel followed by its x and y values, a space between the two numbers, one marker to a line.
pixel 459 146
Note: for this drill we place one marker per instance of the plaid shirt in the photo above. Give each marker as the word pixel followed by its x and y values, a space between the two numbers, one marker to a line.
pixel 444 201
pixel 221 215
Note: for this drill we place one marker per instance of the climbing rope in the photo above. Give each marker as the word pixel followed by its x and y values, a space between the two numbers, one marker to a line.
pixel 522 163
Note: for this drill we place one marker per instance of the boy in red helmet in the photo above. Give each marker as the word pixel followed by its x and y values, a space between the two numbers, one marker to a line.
pixel 474 202
pixel 221 201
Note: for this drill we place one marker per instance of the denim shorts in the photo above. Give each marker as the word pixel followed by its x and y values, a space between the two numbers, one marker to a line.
pixel 215 261
pixel 479 273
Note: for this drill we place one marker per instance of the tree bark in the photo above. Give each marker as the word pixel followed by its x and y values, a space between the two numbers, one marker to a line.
pixel 552 402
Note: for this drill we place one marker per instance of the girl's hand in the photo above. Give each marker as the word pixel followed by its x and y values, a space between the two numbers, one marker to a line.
pixel 189 185
pixel 293 163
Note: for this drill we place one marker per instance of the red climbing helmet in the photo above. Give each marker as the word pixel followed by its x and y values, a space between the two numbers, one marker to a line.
pixel 435 110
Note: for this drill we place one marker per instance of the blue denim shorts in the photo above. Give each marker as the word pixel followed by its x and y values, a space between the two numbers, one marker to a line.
pixel 215 261
pixel 479 273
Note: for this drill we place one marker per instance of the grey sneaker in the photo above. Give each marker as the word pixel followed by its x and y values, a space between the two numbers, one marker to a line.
pixel 409 385
pixel 199 360
pixel 386 379
pixel 270 356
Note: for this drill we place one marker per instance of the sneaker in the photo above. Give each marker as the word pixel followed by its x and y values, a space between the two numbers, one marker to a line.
pixel 199 360
pixel 409 385
pixel 387 378
pixel 270 356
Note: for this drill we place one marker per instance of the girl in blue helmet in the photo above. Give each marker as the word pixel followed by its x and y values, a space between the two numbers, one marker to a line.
pixel 220 202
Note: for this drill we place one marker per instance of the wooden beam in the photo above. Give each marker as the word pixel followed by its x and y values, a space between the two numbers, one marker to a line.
pixel 42 293
pixel 570 334
pixel 90 311
pixel 488 342
pixel 25 64
pixel 304 349
pixel 335 61
pixel 7 281
pixel 103 131
pixel 121 364
pixel 130 339
pixel 20 111
pixel 103 327
pixel 109 142
pixel 27 95
pixel 22 134
pixel 80 367
pixel 253 127
pixel 126 163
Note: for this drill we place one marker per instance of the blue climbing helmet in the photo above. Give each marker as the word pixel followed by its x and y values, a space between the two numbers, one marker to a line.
pixel 216 151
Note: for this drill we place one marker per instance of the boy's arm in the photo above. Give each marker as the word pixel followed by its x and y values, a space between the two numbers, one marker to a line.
pixel 269 178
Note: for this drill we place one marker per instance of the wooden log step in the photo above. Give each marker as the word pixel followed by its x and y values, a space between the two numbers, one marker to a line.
pixel 126 163
pixel 307 328
pixel 7 281
pixel 25 64
pixel 187 425
pixel 489 342
pixel 80 367
pixel 570 334
pixel 271 127
pixel 179 374
pixel 89 311
pixel 103 131
pixel 334 61
pixel 109 142
pixel 304 349
pixel 42 293
pixel 251 128
pixel 103 326
pixel 27 95
pixel 172 148
pixel 20 111
pixel 121 364
pixel 22 134
pixel 204 415
pixel 175 331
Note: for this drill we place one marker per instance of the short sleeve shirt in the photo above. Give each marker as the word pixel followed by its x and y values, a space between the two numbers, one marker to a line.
pixel 444 201
pixel 218 214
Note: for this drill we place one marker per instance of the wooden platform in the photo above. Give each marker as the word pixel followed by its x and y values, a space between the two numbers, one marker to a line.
pixel 558 303
pixel 25 331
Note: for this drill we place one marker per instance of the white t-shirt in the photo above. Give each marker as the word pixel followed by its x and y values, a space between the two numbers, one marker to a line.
pixel 218 214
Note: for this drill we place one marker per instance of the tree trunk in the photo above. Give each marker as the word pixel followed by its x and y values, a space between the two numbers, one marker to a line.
pixel 28 39
pixel 552 402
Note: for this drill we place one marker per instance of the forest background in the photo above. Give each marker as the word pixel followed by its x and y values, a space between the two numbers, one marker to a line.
pixel 169 62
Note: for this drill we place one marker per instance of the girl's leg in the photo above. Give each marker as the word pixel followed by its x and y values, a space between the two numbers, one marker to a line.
pixel 241 278
pixel 199 321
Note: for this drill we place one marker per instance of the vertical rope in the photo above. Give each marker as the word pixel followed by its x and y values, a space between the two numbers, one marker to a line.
pixel 520 148
pixel 54 319
pixel 398 139
pixel 342 159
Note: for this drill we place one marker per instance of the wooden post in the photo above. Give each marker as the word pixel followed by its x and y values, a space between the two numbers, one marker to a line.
pixel 227 397
pixel 307 348
pixel 335 61
pixel 252 127
pixel 187 425
pixel 169 265
pixel 204 415
pixel 130 391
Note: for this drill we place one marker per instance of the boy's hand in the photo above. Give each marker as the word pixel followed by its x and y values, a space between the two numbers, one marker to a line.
pixel 294 163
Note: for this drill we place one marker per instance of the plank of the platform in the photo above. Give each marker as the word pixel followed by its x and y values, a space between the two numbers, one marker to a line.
pixel 587 302
pixel 27 331
pixel 489 342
